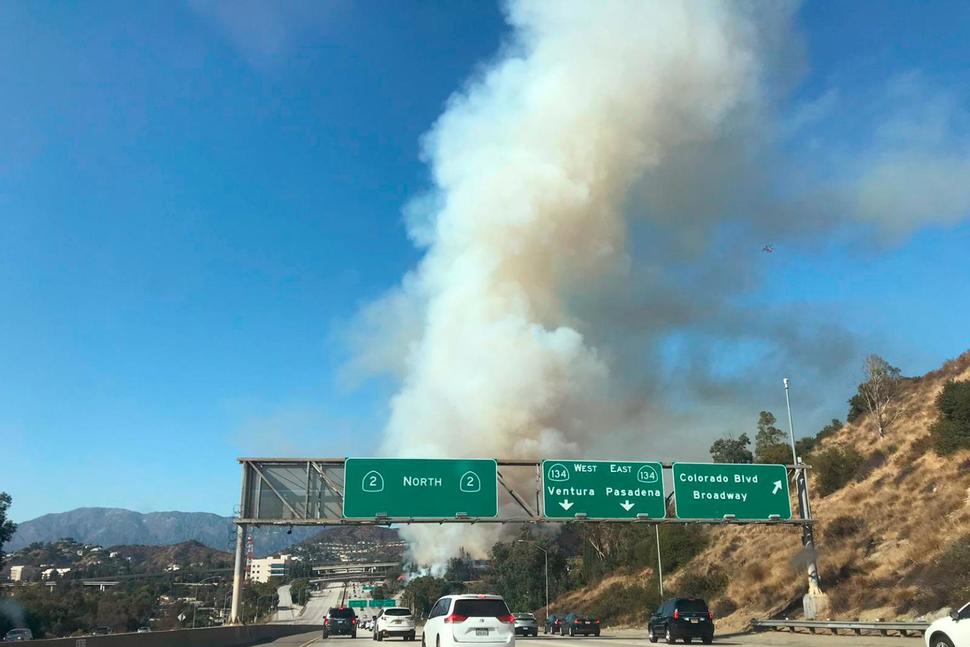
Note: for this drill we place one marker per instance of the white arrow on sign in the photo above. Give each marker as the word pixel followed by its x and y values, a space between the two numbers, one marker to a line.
pixel 777 487
pixel 626 505
pixel 566 504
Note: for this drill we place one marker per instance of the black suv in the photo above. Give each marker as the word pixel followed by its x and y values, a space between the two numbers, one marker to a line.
pixel 340 621
pixel 682 618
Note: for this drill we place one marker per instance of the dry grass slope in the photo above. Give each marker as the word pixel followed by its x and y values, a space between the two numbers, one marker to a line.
pixel 880 538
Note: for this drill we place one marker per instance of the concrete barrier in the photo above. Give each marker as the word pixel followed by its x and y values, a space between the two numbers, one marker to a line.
pixel 236 636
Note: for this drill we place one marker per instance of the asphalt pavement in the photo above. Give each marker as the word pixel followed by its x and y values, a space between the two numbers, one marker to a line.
pixel 634 638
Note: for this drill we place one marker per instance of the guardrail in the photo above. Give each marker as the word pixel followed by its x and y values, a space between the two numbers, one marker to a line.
pixel 234 636
pixel 834 626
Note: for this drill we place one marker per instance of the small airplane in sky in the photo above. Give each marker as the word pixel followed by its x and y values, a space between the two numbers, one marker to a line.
pixel 769 248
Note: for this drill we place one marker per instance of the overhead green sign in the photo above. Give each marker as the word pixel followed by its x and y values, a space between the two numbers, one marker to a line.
pixel 357 603
pixel 420 488
pixel 602 489
pixel 368 587
pixel 742 491
pixel 382 603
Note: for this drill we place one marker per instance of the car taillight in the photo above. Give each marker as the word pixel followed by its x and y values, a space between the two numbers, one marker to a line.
pixel 354 621
pixel 325 621
pixel 710 616
pixel 676 614
pixel 558 622
pixel 597 621
pixel 508 618
pixel 454 618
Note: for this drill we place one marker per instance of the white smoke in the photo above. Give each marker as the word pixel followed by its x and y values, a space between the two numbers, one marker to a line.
pixel 576 294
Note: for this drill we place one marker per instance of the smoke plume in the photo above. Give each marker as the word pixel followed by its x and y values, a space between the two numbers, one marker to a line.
pixel 600 194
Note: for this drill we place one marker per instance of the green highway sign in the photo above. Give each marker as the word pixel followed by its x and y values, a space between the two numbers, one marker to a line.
pixel 744 491
pixel 420 488
pixel 368 587
pixel 602 489
pixel 382 603
pixel 357 603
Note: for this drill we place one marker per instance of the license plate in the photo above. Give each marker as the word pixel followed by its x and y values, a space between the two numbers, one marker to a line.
pixel 481 632
pixel 694 621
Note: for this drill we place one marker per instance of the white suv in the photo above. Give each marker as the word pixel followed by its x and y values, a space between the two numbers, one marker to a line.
pixel 480 620
pixel 394 621
pixel 951 631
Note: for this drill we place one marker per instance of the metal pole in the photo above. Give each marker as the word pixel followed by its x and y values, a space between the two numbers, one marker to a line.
pixel 239 568
pixel 660 568
pixel 791 427
pixel 808 538
pixel 546 554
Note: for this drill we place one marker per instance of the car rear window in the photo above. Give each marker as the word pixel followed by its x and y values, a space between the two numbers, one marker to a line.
pixel 692 606
pixel 342 613
pixel 481 608
pixel 525 616
pixel 398 612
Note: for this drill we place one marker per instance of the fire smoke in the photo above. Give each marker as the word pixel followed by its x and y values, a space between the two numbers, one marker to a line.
pixel 590 190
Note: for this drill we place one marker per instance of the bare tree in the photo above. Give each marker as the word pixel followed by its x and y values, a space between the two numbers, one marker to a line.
pixel 881 389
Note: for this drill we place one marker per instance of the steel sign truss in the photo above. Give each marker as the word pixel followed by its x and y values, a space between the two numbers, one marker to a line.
pixel 310 492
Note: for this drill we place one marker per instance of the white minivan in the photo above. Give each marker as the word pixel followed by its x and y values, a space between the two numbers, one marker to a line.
pixel 471 620
pixel 950 631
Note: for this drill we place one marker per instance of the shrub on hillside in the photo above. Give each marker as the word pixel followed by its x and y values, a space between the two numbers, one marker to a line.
pixel 843 527
pixel 707 585
pixel 951 431
pixel 946 582
pixel 834 468
pixel 619 602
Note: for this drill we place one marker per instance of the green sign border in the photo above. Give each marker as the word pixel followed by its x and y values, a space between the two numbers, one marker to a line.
pixel 343 506
pixel 542 483
pixel 787 490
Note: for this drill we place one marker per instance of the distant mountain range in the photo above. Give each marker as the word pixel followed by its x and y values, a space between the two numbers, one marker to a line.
pixel 117 526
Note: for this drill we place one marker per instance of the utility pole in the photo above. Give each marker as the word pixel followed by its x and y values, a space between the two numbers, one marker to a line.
pixel 660 568
pixel 805 511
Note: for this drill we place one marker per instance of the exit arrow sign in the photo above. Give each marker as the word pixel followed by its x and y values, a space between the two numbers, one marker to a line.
pixel 602 489
pixel 744 491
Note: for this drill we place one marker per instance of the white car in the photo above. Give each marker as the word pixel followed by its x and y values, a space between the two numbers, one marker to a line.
pixel 472 620
pixel 951 631
pixel 394 621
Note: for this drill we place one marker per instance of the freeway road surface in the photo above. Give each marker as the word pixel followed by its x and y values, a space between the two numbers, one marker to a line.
pixel 332 595
pixel 631 638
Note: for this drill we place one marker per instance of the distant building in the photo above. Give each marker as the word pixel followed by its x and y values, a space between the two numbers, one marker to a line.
pixel 22 573
pixel 49 573
pixel 260 570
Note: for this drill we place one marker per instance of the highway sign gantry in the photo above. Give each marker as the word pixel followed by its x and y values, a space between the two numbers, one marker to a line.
pixel 602 489
pixel 413 488
pixel 731 490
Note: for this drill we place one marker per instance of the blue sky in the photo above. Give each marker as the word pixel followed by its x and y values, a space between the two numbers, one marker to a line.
pixel 194 203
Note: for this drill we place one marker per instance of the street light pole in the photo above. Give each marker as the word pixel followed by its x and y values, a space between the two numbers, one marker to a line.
pixel 545 554
pixel 195 609
pixel 660 568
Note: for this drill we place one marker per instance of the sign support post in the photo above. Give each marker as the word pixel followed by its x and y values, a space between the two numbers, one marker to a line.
pixel 809 603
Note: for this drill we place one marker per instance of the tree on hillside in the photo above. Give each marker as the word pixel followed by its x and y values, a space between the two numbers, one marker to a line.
pixel 7 527
pixel 422 592
pixel 951 431
pixel 769 442
pixel 732 450
pixel 880 390
pixel 517 572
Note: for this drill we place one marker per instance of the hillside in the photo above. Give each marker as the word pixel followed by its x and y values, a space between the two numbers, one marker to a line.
pixel 117 526
pixel 881 539
pixel 90 560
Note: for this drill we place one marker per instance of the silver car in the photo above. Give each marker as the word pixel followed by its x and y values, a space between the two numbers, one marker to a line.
pixel 526 625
